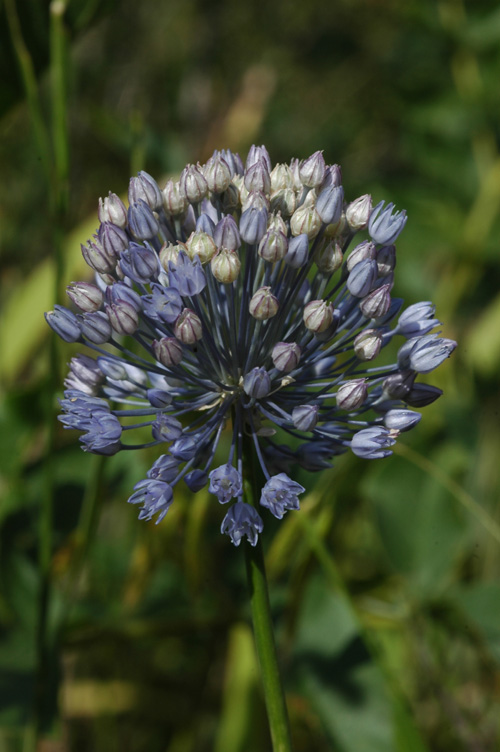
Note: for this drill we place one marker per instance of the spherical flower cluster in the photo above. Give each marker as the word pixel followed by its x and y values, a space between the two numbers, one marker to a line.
pixel 238 298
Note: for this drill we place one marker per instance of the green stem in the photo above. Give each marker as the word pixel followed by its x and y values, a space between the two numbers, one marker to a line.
pixel 274 695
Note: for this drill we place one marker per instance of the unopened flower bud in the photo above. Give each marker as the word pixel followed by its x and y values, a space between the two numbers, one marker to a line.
pixel 257 153
pixel 286 356
pixel 225 266
pixel 358 212
pixel 64 323
pixel 188 328
pixel 421 395
pixel 257 383
pixel 384 227
pixel 217 174
pixel 193 184
pixel 86 296
pixel 205 224
pixel 333 177
pixel 351 395
pixel 112 209
pixel 362 278
pixel 386 260
pixel 97 258
pixel 226 234
pixel 230 199
pixel 401 419
pixel 144 188
pixel 329 204
pixel 281 178
pixel 123 317
pixel 305 417
pixel 318 315
pixel 253 221
pixel 306 220
pixel 168 351
pixel 273 246
pixel 376 303
pixel 263 304
pixel 363 251
pixel 397 386
pixel 312 170
pixel 298 251
pixel 142 222
pixel 329 257
pixel 113 239
pixel 367 344
pixel 175 202
pixel 284 201
pixel 257 177
pixel 95 327
pixel 171 252
pixel 202 245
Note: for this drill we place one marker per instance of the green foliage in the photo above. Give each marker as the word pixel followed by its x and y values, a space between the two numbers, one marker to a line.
pixel 116 634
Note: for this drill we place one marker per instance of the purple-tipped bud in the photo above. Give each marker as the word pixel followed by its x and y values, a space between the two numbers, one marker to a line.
pixel 298 251
pixel 165 468
pixel 226 234
pixel 188 327
pixel 253 221
pixel 273 246
pixel 113 239
pixel 424 354
pixel 305 417
pixel 280 494
pixel 362 278
pixel 358 212
pixel 193 184
pixel 312 170
pixel 306 220
pixel 159 398
pixel 139 263
pixel 263 305
pixel 376 303
pixel 142 222
pixel 242 520
pixel 202 245
pixel 97 258
pixel 333 177
pixel 167 351
pixel 401 419
pixel 123 317
pixel 352 395
pixel 112 209
pixel 95 327
pixel 386 260
pixel 373 443
pixel 417 319
pixel 233 160
pixel 196 480
pixel 226 266
pixel 64 323
pixel 86 296
pixel 286 356
pixel 384 227
pixel 318 315
pixel 174 200
pixel 257 177
pixel 144 188
pixel 205 224
pixel 185 448
pixel 217 173
pixel 166 428
pixel 329 204
pixel 367 344
pixel 121 291
pixel 257 383
pixel 363 251
pixel 226 483
pixel 329 257
pixel 421 395
pixel 255 154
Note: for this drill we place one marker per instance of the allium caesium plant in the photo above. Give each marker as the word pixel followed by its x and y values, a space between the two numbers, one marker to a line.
pixel 242 298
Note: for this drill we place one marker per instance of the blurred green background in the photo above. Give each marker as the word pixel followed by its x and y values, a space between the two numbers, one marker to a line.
pixel 119 635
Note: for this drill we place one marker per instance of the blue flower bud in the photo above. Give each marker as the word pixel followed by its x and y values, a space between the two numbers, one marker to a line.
pixel 424 354
pixel 397 385
pixel 166 428
pixel 242 519
pixel 103 434
pixel 305 417
pixel 298 251
pixel 257 383
pixel 329 204
pixel 233 160
pixel 144 188
pixel 64 323
pixel 142 222
pixel 417 319
pixel 165 468
pixel 226 234
pixel 421 395
pixel 373 443
pixel 113 239
pixel 253 222
pixel 401 419
pixel 384 227
pixel 120 291
pixel 257 177
pixel 159 398
pixel 196 480
pixel 226 483
pixel 386 260
pixel 139 263
pixel 255 154
pixel 280 495
pixel 184 449
pixel 205 224
pixel 362 278
pixel 95 327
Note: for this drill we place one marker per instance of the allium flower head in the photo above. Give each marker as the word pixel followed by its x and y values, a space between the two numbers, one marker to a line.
pixel 248 299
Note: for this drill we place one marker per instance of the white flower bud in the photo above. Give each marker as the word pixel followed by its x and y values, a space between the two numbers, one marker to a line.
pixel 226 266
